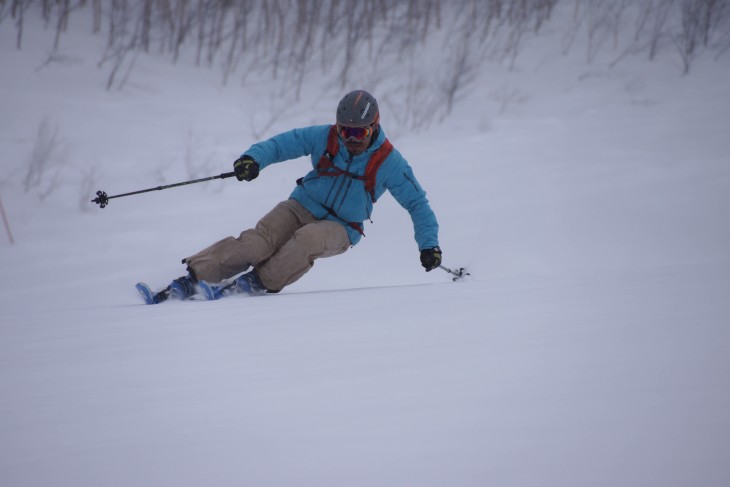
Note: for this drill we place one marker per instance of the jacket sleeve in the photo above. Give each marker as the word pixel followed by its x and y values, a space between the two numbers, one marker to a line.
pixel 288 145
pixel 404 187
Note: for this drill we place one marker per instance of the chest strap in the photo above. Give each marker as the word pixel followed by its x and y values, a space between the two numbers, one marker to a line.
pixel 325 166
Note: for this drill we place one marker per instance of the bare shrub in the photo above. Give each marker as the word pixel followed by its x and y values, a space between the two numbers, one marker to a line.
pixel 276 108
pixel 197 165
pixel 88 184
pixel 689 37
pixel 722 43
pixel 704 24
pixel 340 41
pixel 17 11
pixel 603 22
pixel 46 160
pixel 651 30
pixel 3 11
pixel 121 41
pixel 507 95
pixel 460 71
pixel 659 32
pixel 415 106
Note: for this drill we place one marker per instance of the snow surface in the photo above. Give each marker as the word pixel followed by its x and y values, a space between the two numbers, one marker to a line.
pixel 590 347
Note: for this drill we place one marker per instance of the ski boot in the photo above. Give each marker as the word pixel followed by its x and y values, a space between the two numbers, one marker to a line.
pixel 183 287
pixel 249 283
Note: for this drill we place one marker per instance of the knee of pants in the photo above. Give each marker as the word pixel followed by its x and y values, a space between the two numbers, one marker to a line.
pixel 321 239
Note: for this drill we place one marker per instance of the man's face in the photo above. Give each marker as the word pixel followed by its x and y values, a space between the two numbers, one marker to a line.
pixel 356 139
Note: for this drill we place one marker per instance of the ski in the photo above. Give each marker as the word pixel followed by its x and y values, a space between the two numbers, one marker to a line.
pixel 186 289
pixel 208 291
pixel 212 292
pixel 149 296
pixel 237 286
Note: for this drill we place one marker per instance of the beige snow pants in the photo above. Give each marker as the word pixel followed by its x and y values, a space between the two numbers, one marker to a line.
pixel 282 248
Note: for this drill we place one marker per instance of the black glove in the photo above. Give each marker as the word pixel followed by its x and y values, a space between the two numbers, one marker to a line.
pixel 431 258
pixel 246 168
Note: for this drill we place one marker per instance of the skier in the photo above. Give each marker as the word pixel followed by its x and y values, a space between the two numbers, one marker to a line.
pixel 353 165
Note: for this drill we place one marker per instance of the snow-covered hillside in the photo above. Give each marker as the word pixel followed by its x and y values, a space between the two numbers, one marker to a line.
pixel 589 347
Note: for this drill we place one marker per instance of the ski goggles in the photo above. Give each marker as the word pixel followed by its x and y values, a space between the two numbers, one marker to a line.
pixel 357 133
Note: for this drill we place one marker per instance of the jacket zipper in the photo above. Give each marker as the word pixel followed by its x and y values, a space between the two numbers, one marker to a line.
pixel 341 184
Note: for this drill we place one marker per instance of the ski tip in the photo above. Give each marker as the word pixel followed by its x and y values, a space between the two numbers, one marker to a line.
pixel 145 292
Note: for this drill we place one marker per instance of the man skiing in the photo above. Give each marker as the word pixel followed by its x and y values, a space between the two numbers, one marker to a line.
pixel 353 165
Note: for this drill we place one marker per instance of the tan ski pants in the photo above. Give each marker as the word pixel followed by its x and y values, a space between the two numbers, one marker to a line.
pixel 282 248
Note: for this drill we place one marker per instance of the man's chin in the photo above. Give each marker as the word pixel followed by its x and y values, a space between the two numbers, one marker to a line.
pixel 355 149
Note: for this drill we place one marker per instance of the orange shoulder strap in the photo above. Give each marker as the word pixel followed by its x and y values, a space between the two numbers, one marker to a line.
pixel 331 151
pixel 376 160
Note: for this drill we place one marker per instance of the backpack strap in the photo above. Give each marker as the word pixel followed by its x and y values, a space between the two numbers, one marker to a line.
pixel 371 170
pixel 333 147
pixel 325 166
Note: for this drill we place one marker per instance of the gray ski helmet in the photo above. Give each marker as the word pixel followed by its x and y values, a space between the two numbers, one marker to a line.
pixel 358 109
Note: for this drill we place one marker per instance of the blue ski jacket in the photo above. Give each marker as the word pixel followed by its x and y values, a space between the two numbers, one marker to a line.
pixel 343 199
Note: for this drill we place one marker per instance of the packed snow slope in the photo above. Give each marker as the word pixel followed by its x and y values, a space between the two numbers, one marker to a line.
pixel 589 347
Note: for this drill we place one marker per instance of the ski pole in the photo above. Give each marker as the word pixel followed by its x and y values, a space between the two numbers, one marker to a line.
pixel 457 274
pixel 102 199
